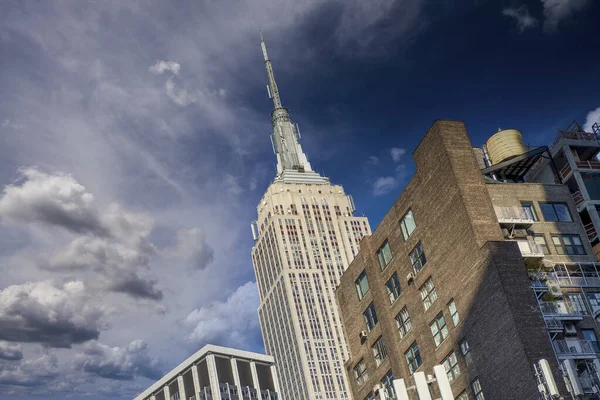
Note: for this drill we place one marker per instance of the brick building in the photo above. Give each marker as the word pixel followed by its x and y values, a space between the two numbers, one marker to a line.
pixel 458 271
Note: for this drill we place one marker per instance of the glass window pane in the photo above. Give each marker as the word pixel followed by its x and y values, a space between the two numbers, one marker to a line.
pixel 562 211
pixel 548 212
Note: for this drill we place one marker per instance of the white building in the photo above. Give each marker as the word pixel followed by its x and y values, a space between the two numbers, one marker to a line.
pixel 218 373
pixel 305 236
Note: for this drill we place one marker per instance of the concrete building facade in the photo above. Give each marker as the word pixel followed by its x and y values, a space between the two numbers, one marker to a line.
pixel 481 275
pixel 218 373
pixel 306 234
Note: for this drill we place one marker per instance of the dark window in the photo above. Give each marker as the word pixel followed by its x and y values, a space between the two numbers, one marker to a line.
pixel 407 223
pixel 403 322
pixel 379 351
pixel 465 350
pixel 362 285
pixel 556 212
pixel 417 258
pixel 568 245
pixel 393 288
pixel 476 386
pixel 370 317
pixel 388 386
pixel 413 357
pixel 384 255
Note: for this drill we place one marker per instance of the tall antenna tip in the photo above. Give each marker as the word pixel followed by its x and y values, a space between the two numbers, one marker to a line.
pixel 261 37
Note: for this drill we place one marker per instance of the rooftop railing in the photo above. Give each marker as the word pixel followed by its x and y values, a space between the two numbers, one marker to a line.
pixel 570 135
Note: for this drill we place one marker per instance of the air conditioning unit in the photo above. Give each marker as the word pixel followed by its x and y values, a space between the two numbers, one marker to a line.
pixel 554 289
pixel 363 336
pixel 519 233
pixel 570 329
pixel 410 277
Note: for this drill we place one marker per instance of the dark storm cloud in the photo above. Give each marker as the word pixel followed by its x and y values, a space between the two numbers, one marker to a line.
pixel 56 314
pixel 118 363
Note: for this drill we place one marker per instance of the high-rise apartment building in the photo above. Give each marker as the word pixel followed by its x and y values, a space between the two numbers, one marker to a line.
pixel 218 373
pixel 305 236
pixel 483 265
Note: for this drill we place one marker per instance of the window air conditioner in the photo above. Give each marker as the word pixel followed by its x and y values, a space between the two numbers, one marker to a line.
pixel 570 329
pixel 519 233
pixel 554 290
pixel 410 277
pixel 363 336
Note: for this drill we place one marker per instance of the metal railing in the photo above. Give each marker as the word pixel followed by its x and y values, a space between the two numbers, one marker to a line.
pixel 565 171
pixel 588 164
pixel 584 136
pixel 561 307
pixel 530 248
pixel 575 274
pixel 578 197
pixel 513 214
pixel 576 347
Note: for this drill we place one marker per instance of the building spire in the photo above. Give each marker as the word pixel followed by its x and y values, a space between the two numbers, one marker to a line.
pixel 272 86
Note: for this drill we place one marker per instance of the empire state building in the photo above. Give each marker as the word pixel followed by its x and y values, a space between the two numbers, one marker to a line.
pixel 305 236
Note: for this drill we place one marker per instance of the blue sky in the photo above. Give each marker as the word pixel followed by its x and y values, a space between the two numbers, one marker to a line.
pixel 134 148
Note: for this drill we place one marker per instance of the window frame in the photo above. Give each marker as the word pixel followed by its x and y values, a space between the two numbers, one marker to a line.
pixel 419 257
pixel 359 291
pixel 429 294
pixel 404 325
pixel 383 263
pixel 465 351
pixel 415 354
pixel 562 249
pixel 439 329
pixel 556 217
pixel 371 318
pixel 388 384
pixel 379 351
pixel 475 385
pixel 396 290
pixel 362 377
pixel 452 370
pixel 455 321
pixel 545 248
pixel 403 226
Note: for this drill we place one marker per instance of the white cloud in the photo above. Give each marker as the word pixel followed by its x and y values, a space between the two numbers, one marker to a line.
pixel 397 153
pixel 53 313
pixel 10 351
pixel 161 66
pixel 384 185
pixel 592 117
pixel 179 96
pixel 229 323
pixel 192 247
pixel 522 17
pixel 118 363
pixel 29 373
pixel 556 11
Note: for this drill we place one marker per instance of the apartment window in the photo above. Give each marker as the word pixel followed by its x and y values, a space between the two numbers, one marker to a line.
pixel 463 396
pixel 370 317
pixel 428 293
pixel 453 312
pixel 388 386
pixel 540 240
pixel 384 255
pixel 439 330
pixel 393 288
pixel 477 392
pixel 360 372
pixel 413 358
pixel 408 224
pixel 556 212
pixel 529 210
pixel 594 300
pixel 465 350
pixel 576 304
pixel 417 258
pixel 403 322
pixel 568 245
pixel 362 285
pixel 379 351
pixel 450 363
pixel 590 335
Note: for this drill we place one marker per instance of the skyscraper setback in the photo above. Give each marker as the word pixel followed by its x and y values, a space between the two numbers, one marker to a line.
pixel 305 236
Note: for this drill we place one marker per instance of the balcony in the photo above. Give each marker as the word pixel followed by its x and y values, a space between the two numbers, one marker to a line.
pixel 576 347
pixel 573 135
pixel 578 199
pixel 562 308
pixel 514 215
pixel 590 231
pixel 575 274
pixel 530 249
